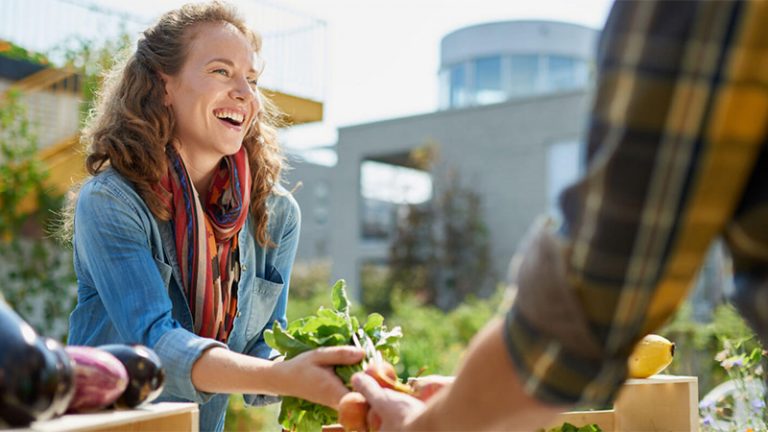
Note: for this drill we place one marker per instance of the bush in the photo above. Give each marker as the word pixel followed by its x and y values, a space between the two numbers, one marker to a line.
pixel 697 344
pixel 433 340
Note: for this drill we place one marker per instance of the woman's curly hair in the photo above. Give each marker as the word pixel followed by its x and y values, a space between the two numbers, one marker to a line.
pixel 131 128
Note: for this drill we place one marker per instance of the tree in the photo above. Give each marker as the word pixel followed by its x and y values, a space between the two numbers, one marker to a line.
pixel 36 275
pixel 441 248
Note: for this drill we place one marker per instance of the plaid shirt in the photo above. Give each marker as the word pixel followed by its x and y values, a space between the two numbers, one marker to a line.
pixel 677 156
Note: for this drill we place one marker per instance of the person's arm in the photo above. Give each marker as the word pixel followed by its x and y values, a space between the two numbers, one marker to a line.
pixel 677 125
pixel 308 376
pixel 487 395
pixel 115 258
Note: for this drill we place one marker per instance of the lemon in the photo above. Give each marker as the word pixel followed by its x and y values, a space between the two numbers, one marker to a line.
pixel 651 355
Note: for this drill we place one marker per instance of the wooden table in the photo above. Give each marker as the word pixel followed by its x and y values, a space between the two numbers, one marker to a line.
pixel 164 416
pixel 661 403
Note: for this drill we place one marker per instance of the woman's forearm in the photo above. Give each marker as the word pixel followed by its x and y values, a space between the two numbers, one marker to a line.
pixel 309 375
pixel 219 370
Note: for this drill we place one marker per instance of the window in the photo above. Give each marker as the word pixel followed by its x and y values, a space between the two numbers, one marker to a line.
pixel 459 86
pixel 565 73
pixel 444 98
pixel 488 87
pixel 524 71
pixel 560 73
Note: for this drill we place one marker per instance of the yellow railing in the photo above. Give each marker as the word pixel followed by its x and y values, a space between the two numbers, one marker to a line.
pixel 45 79
pixel 65 163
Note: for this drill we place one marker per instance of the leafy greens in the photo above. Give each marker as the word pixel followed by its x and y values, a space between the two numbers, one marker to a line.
pixel 328 327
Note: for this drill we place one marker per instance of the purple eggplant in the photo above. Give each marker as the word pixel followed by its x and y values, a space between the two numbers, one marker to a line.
pixel 35 375
pixel 65 385
pixel 100 378
pixel 146 376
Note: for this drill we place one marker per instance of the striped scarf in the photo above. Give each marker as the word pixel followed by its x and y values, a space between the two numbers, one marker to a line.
pixel 206 238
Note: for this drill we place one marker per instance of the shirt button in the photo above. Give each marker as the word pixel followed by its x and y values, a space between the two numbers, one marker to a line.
pixel 243 268
pixel 239 313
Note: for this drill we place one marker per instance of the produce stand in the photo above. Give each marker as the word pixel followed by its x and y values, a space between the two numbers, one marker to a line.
pixel 164 416
pixel 659 403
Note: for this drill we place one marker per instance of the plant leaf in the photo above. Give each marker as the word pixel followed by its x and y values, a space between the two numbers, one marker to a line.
pixel 339 297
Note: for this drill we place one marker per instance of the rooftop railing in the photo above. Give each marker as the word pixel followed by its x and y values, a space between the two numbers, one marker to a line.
pixel 294 44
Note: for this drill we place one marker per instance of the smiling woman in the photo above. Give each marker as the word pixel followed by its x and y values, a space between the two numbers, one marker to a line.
pixel 183 238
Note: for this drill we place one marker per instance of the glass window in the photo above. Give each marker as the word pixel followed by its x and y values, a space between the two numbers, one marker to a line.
pixel 488 80
pixel 459 90
pixel 563 168
pixel 523 74
pixel 444 98
pixel 560 74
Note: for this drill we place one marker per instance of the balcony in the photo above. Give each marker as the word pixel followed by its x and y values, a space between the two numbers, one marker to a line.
pixel 293 49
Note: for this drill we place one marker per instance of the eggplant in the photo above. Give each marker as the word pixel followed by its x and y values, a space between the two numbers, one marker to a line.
pixel 35 374
pixel 100 378
pixel 146 376
pixel 65 385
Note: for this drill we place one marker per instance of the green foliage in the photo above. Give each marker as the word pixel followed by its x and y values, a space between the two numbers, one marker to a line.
pixel 329 327
pixel 21 174
pixel 442 248
pixel 35 273
pixel 93 58
pixel 744 407
pixel 696 344
pixel 434 340
pixel 241 418
pixel 13 51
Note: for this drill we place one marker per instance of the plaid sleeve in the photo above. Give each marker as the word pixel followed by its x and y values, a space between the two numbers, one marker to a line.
pixel 677 125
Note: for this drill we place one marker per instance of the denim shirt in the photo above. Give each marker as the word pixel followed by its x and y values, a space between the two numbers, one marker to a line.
pixel 129 287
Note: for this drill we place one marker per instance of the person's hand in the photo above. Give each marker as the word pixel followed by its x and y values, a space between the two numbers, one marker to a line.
pixel 392 410
pixel 427 386
pixel 310 375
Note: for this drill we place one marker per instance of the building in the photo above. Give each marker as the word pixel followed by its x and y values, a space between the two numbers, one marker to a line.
pixel 311 186
pixel 512 110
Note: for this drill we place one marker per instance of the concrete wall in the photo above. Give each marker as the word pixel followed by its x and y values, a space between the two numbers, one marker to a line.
pixel 314 197
pixel 500 151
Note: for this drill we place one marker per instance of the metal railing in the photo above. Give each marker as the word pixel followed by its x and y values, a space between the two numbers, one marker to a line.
pixel 294 48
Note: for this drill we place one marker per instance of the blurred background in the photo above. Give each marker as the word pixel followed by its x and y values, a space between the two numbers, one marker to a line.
pixel 424 138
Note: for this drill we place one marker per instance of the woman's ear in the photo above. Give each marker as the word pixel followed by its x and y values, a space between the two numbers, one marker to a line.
pixel 167 92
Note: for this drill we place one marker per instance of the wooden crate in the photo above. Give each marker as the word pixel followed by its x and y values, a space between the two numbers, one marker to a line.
pixel 661 403
pixel 164 416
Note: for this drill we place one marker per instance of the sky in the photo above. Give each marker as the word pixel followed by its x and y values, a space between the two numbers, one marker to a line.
pixel 382 57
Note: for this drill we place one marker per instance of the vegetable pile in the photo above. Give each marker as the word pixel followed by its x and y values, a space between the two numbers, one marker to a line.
pixel 567 427
pixel 40 379
pixel 332 327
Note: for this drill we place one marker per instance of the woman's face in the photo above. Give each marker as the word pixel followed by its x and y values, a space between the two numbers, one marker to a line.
pixel 214 97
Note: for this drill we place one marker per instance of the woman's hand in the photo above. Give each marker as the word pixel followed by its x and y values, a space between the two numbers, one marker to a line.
pixel 310 375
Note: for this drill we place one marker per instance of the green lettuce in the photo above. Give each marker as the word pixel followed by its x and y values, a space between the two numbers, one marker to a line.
pixel 329 327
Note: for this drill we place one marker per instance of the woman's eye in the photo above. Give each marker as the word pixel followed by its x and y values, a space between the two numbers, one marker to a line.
pixel 253 82
pixel 222 72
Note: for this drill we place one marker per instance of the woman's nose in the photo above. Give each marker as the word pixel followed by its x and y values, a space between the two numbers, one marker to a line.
pixel 243 91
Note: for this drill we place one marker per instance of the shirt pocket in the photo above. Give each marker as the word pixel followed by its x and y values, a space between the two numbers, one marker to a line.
pixel 262 304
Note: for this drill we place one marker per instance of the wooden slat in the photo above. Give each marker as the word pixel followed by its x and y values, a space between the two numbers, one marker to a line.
pixel 42 80
pixel 297 109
